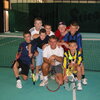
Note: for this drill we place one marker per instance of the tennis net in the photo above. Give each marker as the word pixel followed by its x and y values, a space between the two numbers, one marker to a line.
pixel 91 50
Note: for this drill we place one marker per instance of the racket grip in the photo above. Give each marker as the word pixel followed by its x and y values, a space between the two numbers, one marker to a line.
pixel 33 77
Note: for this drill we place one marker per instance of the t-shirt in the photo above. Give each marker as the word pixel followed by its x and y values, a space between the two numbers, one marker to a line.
pixel 58 51
pixel 77 58
pixel 23 49
pixel 33 31
pixel 58 34
pixel 51 33
pixel 39 43
pixel 77 37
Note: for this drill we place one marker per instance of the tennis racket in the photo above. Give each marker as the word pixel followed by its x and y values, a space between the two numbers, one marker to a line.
pixel 52 85
pixel 33 75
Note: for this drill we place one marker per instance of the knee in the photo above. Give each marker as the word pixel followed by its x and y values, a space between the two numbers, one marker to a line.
pixel 25 78
pixel 44 66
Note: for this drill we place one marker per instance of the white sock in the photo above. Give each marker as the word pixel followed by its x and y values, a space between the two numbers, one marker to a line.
pixel 45 77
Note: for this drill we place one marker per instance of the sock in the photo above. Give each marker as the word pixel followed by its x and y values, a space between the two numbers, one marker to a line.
pixel 83 76
pixel 45 77
pixel 17 78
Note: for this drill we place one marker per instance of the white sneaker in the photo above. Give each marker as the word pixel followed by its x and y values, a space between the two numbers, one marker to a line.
pixel 44 82
pixel 84 81
pixel 79 86
pixel 19 84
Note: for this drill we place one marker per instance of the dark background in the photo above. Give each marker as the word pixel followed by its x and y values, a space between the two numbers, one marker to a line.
pixel 87 15
pixel 1 16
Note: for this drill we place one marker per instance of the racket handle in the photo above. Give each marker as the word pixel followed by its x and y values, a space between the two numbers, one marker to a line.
pixel 33 78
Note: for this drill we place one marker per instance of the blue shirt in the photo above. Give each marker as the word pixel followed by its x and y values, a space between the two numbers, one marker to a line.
pixel 77 37
pixel 23 49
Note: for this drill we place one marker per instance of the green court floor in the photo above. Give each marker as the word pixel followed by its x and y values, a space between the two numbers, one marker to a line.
pixel 8 91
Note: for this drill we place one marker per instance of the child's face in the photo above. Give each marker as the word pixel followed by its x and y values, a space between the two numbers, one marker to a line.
pixel 38 24
pixel 42 36
pixel 62 28
pixel 72 47
pixel 73 29
pixel 47 28
pixel 27 37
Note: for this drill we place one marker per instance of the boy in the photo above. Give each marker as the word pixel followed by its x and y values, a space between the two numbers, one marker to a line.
pixel 74 35
pixel 73 57
pixel 53 57
pixel 48 29
pixel 35 30
pixel 40 42
pixel 23 61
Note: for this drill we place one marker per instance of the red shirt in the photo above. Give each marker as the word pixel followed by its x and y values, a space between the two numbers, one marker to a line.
pixel 58 35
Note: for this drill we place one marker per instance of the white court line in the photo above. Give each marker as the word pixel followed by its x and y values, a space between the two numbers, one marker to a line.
pixel 11 36
pixel 8 42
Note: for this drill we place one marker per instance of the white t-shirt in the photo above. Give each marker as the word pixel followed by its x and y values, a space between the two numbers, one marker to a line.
pixel 47 52
pixel 33 31
pixel 51 33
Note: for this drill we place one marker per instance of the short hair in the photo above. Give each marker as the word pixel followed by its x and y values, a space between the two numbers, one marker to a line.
pixel 47 25
pixel 73 41
pixel 53 37
pixel 74 23
pixel 38 18
pixel 42 31
pixel 26 32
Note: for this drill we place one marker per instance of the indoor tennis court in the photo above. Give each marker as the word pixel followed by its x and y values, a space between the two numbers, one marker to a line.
pixel 18 16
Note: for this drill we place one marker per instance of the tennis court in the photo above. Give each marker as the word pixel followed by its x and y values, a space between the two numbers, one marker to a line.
pixel 8 46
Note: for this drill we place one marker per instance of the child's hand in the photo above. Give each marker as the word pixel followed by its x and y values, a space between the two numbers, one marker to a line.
pixel 31 66
pixel 65 78
pixel 36 53
pixel 30 55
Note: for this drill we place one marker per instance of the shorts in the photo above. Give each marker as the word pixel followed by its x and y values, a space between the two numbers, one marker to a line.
pixel 57 69
pixel 39 58
pixel 24 67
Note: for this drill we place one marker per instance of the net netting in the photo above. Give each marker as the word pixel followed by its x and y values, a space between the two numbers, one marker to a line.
pixel 91 47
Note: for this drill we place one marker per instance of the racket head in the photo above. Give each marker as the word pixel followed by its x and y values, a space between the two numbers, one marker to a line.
pixel 52 85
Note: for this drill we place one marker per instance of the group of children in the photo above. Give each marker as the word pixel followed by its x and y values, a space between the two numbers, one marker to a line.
pixel 51 51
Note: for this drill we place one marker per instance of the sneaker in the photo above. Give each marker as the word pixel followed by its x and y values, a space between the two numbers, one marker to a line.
pixel 79 86
pixel 44 82
pixel 84 81
pixel 19 84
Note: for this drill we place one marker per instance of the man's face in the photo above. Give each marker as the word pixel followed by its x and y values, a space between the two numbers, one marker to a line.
pixel 42 36
pixel 38 24
pixel 27 37
pixel 62 28
pixel 73 29
pixel 53 43
pixel 72 47
pixel 47 28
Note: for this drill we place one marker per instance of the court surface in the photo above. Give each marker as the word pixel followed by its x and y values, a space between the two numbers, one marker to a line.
pixel 8 90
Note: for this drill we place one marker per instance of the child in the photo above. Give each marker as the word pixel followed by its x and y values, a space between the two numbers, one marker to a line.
pixel 35 30
pixel 24 60
pixel 40 42
pixel 73 57
pixel 48 29
pixel 75 35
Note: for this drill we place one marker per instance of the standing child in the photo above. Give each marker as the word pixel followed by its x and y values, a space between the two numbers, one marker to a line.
pixel 35 30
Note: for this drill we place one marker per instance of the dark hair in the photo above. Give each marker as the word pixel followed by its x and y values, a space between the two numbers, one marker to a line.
pixel 38 18
pixel 26 32
pixel 74 23
pixel 73 41
pixel 47 25
pixel 42 31
pixel 53 37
